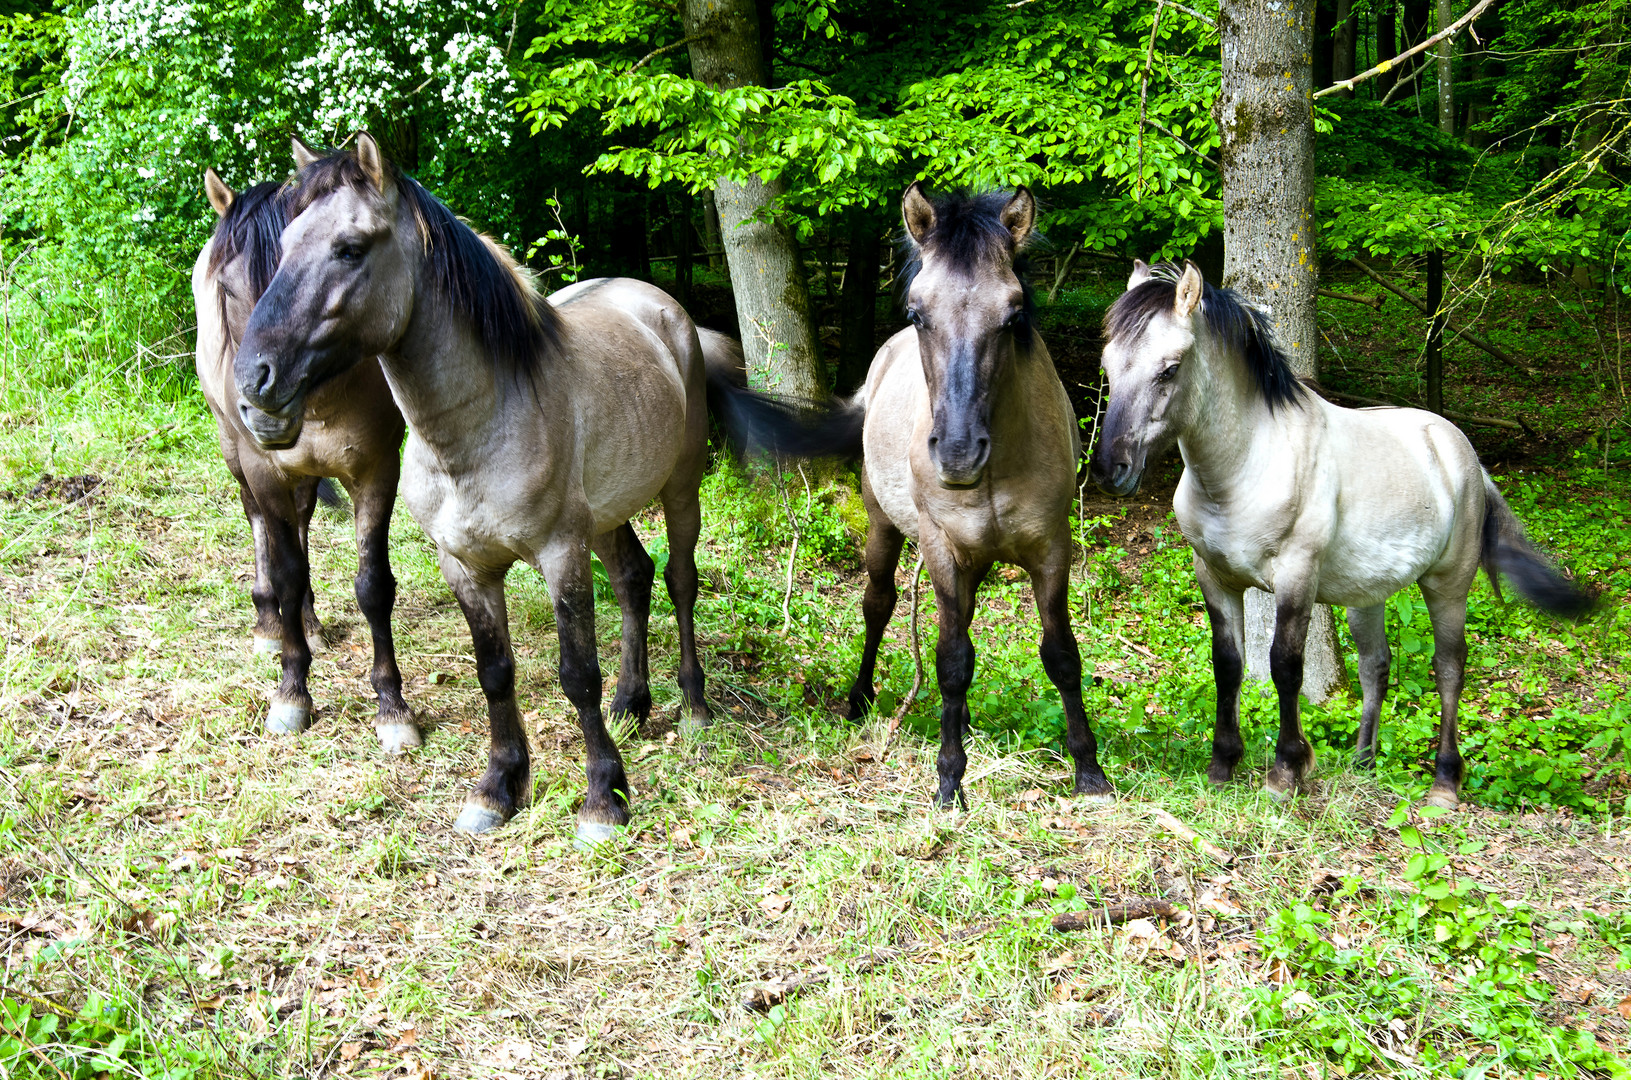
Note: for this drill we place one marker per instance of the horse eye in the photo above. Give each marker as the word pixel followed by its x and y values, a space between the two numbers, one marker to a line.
pixel 1167 374
pixel 348 253
pixel 913 317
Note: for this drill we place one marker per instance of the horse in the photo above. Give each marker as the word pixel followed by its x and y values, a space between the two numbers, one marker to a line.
pixel 352 432
pixel 1317 504
pixel 537 429
pixel 969 447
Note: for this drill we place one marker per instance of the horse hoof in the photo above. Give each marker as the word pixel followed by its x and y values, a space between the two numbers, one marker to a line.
pixel 1279 787
pixel 316 643
pixel 268 646
pixel 1442 798
pixel 475 819
pixel 1097 798
pixel 286 718
pixel 398 738
pixel 591 834
pixel 692 724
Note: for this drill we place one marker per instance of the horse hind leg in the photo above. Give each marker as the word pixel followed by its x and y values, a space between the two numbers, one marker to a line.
pixel 631 572
pixel 375 588
pixel 268 629
pixel 1449 616
pixel 1225 610
pixel 883 546
pixel 1369 629
pixel 682 517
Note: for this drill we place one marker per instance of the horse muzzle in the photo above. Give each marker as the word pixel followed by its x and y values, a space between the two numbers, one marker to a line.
pixel 272 431
pixel 1118 478
pixel 960 465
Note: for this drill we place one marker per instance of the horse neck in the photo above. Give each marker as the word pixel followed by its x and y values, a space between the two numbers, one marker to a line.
pixel 441 377
pixel 1226 415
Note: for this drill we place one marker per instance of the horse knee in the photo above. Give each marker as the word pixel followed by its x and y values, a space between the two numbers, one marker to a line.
pixel 954 664
pixel 1062 659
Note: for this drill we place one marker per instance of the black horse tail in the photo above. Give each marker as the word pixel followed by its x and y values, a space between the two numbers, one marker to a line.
pixel 1507 550
pixel 330 495
pixel 785 428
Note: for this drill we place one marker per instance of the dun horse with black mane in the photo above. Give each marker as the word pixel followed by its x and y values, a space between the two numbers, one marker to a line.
pixel 352 432
pixel 536 430
pixel 970 448
pixel 1285 492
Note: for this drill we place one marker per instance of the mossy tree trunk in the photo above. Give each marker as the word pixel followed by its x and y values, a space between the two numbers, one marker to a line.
pixel 1265 114
pixel 761 252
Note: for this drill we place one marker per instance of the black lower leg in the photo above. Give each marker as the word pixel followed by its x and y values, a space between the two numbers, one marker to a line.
pixel 1062 660
pixel 954 668
pixel 606 801
pixel 632 573
pixel 883 546
pixel 1449 672
pixel 1292 753
pixel 1228 670
pixel 291 578
pixel 375 587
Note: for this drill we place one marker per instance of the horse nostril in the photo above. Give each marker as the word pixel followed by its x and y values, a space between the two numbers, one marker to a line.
pixel 934 440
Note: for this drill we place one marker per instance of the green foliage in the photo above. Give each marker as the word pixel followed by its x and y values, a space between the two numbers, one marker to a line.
pixel 49 1044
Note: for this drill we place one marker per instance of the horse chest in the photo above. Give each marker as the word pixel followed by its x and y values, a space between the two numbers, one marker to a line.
pixel 480 523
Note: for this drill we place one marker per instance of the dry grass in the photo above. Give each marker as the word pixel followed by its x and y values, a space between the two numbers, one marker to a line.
pixel 308 900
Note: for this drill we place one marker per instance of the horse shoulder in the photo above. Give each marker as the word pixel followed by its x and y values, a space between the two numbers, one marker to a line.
pixel 896 408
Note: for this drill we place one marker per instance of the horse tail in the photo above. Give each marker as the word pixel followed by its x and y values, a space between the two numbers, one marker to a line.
pixel 785 428
pixel 330 495
pixel 1507 550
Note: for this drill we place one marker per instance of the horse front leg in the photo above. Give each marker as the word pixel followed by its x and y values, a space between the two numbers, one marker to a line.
pixel 1062 660
pixel 267 634
pixel 883 544
pixel 1369 629
pixel 290 575
pixel 305 496
pixel 605 805
pixel 375 588
pixel 1226 611
pixel 1449 615
pixel 1293 755
pixel 631 572
pixel 954 590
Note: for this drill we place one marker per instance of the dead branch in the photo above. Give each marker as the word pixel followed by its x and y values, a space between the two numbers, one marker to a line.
pixel 1448 414
pixel 1387 65
pixel 1112 915
pixel 1184 832
pixel 1368 301
pixel 1472 338
pixel 1209 162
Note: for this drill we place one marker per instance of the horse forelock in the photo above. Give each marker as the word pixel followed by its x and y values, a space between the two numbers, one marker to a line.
pixel 480 279
pixel 1242 327
pixel 969 236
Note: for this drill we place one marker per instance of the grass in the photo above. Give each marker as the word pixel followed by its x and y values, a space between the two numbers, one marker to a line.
pixel 185 896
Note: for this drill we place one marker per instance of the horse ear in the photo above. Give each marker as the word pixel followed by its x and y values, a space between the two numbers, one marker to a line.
pixel 303 154
pixel 918 213
pixel 372 161
pixel 1019 216
pixel 218 193
pixel 1190 287
pixel 1141 274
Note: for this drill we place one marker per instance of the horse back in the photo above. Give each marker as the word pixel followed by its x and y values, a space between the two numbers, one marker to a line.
pixel 634 371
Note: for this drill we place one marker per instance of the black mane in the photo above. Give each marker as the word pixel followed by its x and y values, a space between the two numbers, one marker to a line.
pixel 517 327
pixel 252 228
pixel 1243 327
pixel 968 230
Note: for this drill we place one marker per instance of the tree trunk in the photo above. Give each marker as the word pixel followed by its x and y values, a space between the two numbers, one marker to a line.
pixel 684 245
pixel 1343 45
pixel 858 304
pixel 1266 118
pixel 767 273
pixel 1387 45
pixel 1434 374
pixel 711 240
pixel 1446 70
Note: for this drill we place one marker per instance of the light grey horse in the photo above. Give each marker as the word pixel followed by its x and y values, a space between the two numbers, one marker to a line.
pixel 352 432
pixel 537 429
pixel 1285 492
pixel 970 447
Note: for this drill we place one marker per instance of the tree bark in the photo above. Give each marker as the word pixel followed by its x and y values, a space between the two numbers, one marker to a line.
pixel 1446 70
pixel 1343 45
pixel 1265 114
pixel 767 272
pixel 1387 44
pixel 858 302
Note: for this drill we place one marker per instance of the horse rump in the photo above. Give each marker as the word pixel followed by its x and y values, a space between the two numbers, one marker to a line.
pixel 786 428
pixel 1507 550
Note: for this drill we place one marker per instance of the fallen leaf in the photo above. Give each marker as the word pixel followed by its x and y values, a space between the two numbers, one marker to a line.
pixel 776 903
pixel 350 1051
pixel 209 1004
pixel 576 1046
pixel 1624 1007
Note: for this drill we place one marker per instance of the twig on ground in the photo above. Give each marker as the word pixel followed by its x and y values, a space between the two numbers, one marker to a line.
pixel 1112 915
pixel 1368 301
pixel 1184 832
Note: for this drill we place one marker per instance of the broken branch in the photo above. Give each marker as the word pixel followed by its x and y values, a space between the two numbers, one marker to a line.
pixel 1387 65
pixel 1112 915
